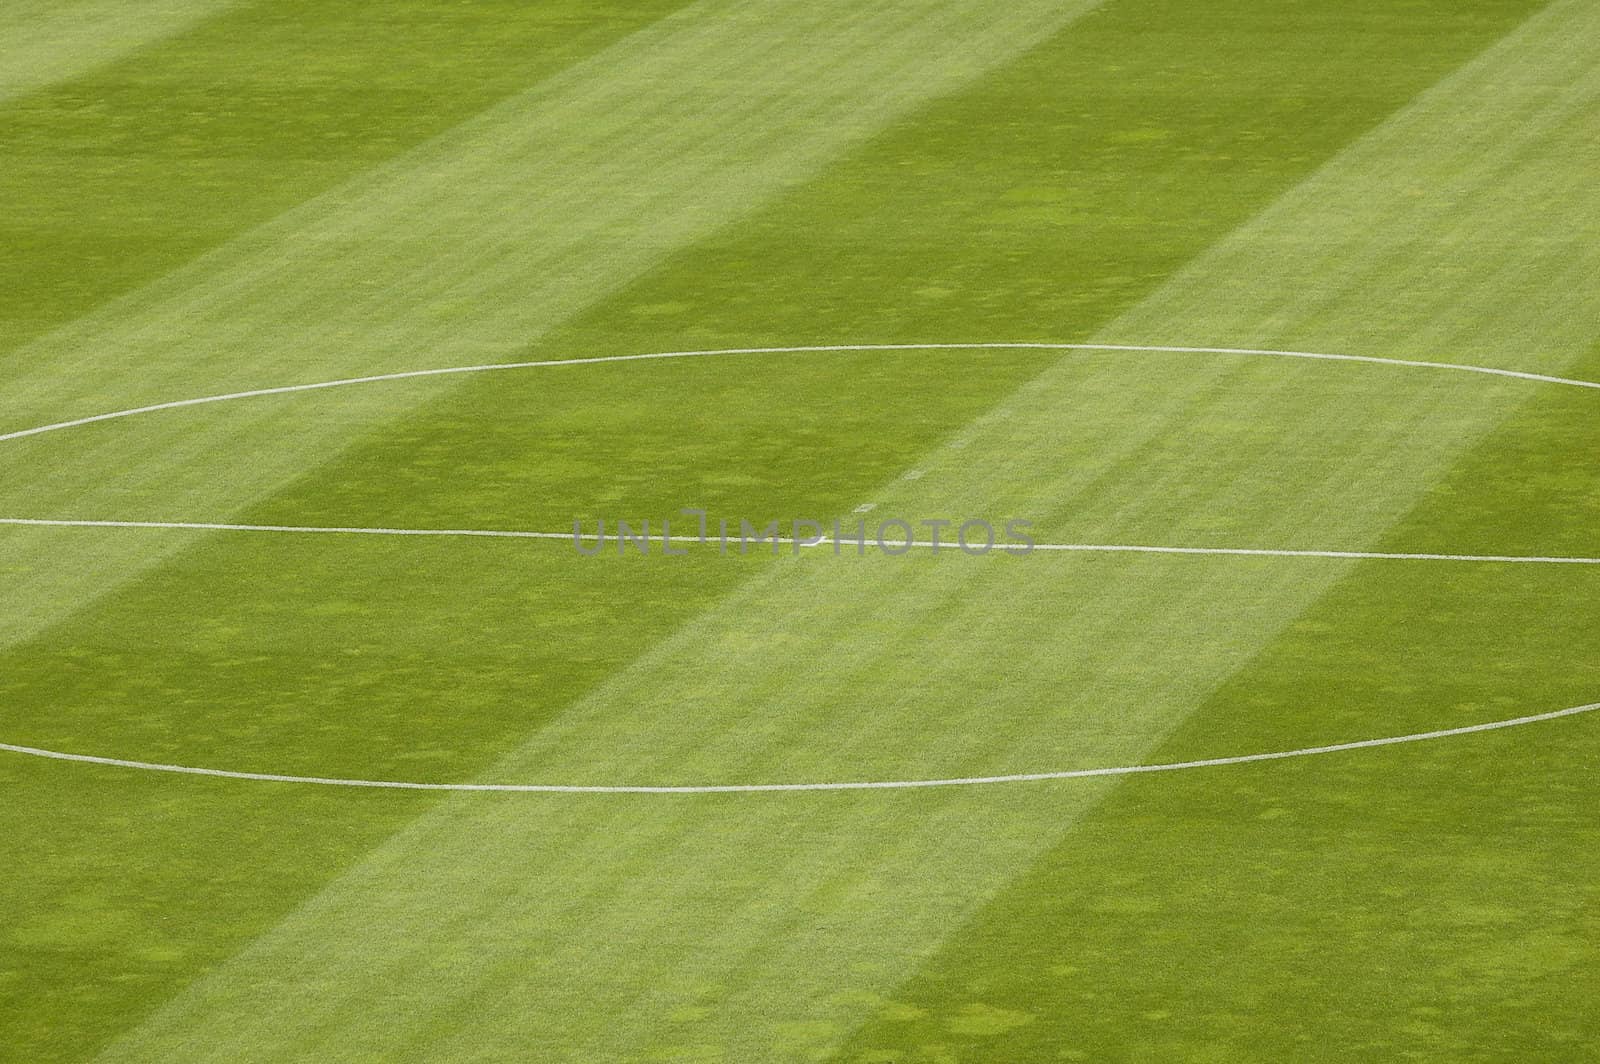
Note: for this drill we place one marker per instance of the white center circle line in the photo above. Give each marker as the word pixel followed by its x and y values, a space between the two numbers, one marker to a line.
pixel 495 367
pixel 785 787
pixel 1077 548
pixel 756 788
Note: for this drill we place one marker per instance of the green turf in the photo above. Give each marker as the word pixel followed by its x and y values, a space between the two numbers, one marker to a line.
pixel 125 172
pixel 43 42
pixel 1423 903
pixel 1329 177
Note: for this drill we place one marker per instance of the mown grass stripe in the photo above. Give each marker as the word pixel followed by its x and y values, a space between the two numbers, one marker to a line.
pixel 43 43
pixel 470 247
pixel 514 919
pixel 246 115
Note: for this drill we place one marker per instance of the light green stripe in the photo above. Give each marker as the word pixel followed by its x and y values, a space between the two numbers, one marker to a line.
pixel 765 927
pixel 1490 201
pixel 43 42
pixel 463 251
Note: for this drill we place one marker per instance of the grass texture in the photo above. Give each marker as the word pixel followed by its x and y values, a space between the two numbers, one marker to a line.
pixel 247 195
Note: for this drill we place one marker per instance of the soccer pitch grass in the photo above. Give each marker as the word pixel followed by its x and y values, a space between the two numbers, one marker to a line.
pixel 205 197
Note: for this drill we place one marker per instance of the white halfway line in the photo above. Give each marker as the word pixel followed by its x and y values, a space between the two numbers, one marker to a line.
pixel 865 785
pixel 1075 548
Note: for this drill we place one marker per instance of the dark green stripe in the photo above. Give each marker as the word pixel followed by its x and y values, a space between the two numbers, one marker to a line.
pixel 121 175
pixel 1041 204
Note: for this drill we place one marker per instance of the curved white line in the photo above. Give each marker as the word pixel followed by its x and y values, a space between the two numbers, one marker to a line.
pixel 762 787
pixel 809 349
pixel 1074 548
pixel 748 788
pixel 1084 548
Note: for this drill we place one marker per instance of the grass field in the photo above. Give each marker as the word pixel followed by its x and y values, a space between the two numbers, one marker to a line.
pixel 204 197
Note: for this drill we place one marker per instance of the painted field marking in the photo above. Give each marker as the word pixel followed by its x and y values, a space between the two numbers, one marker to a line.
pixel 1073 548
pixel 748 788
pixel 1078 548
pixel 809 349
pixel 958 781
